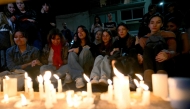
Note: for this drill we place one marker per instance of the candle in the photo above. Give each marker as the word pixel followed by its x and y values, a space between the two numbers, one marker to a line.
pixel 53 93
pixel 30 88
pixel 59 83
pixel 41 87
pixel 121 89
pixel 146 95
pixel 6 99
pixel 141 79
pixel 160 85
pixel 89 87
pixel 10 86
pixel 25 82
pixel 23 100
pixel 138 89
pixel 110 90
pixel 47 83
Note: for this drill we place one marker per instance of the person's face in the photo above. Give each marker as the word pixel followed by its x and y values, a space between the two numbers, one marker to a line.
pixel 98 35
pixel 20 5
pixel 155 24
pixel 122 31
pixel 106 37
pixel 19 39
pixel 81 33
pixel 109 17
pixel 97 20
pixel 171 27
pixel 56 40
pixel 45 7
pixel 11 8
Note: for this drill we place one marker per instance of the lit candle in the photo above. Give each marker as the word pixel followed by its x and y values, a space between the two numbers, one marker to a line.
pixel 138 89
pixel 25 82
pixel 121 89
pixel 53 93
pixel 10 86
pixel 47 83
pixel 89 87
pixel 110 90
pixel 6 99
pixel 146 95
pixel 41 87
pixel 59 83
pixel 141 79
pixel 30 88
pixel 23 100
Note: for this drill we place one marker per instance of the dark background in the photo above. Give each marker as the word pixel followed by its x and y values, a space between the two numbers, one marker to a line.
pixel 61 7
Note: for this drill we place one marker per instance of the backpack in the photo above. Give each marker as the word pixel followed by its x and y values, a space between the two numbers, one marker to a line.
pixel 156 40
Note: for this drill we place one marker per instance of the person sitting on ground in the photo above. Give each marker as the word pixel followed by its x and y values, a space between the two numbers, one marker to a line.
pixel 182 57
pixel 23 57
pixel 81 56
pixel 101 70
pixel 158 47
pixel 55 54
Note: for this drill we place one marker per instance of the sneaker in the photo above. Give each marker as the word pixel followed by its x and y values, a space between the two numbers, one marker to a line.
pixel 79 83
pixel 68 78
pixel 95 80
pixel 103 80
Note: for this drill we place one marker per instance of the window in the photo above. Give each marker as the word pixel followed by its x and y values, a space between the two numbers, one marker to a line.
pixel 132 14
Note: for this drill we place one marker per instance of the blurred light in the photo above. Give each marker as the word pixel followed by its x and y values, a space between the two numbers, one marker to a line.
pixel 161 3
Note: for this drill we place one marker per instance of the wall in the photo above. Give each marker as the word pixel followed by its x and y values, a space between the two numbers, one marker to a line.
pixel 73 20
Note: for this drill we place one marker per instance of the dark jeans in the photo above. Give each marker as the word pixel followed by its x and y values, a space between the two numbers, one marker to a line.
pixel 149 61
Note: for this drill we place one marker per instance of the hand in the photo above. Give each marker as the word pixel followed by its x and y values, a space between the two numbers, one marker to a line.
pixel 76 50
pixel 31 20
pixel 115 49
pixel 35 62
pixel 137 40
pixel 140 58
pixel 161 56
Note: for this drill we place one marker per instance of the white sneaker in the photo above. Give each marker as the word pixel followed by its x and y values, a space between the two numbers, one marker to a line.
pixel 103 80
pixel 95 80
pixel 68 78
pixel 79 83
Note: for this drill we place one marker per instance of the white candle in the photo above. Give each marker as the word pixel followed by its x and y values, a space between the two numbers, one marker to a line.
pixel 10 86
pixel 59 83
pixel 138 89
pixel 53 93
pixel 41 87
pixel 30 88
pixel 121 91
pixel 146 95
pixel 25 82
pixel 23 100
pixel 160 85
pixel 6 99
pixel 141 80
pixel 110 90
pixel 47 83
pixel 89 87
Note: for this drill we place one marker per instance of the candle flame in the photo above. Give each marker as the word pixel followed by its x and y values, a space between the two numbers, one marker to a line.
pixel 145 87
pixel 116 72
pixel 47 75
pixel 40 79
pixel 56 76
pixel 23 100
pixel 139 76
pixel 109 82
pixel 6 77
pixel 6 98
pixel 86 78
pixel 136 82
pixel 26 75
